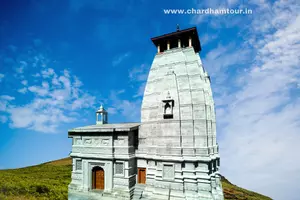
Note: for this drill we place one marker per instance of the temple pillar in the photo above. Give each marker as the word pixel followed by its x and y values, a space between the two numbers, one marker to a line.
pixel 190 41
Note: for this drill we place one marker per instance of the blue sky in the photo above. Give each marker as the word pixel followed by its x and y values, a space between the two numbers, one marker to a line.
pixel 59 60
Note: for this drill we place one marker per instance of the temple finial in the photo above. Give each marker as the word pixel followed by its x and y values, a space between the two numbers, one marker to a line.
pixel 178 28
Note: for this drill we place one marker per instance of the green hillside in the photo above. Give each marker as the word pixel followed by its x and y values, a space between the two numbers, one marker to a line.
pixel 50 181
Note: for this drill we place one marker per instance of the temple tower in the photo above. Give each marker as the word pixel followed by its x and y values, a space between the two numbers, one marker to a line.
pixel 177 155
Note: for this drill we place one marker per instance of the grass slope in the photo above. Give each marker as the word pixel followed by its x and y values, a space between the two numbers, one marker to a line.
pixel 50 181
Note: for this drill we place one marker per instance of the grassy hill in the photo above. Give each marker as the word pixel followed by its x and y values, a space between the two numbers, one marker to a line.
pixel 50 181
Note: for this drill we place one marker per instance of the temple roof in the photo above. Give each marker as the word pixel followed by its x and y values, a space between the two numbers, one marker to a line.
pixel 180 34
pixel 107 128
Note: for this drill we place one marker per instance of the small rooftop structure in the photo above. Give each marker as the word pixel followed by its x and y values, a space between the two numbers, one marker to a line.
pixel 101 116
pixel 180 38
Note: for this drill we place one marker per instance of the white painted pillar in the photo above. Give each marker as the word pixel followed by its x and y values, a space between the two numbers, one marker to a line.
pixel 179 43
pixel 190 41
pixel 158 48
pixel 86 175
pixel 168 45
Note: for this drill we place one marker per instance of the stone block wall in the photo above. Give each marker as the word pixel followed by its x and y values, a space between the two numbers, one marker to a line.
pixel 192 128
pixel 191 180
pixel 115 155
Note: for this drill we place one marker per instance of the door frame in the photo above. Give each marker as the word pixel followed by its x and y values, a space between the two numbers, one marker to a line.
pixel 88 165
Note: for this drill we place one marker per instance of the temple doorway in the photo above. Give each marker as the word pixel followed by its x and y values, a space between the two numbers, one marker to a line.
pixel 141 175
pixel 98 178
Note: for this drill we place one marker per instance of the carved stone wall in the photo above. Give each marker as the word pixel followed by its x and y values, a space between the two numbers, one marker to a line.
pixel 168 171
pixel 119 168
pixel 78 164
pixel 179 72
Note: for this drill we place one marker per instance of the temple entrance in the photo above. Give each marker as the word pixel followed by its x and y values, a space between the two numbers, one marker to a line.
pixel 98 178
pixel 141 175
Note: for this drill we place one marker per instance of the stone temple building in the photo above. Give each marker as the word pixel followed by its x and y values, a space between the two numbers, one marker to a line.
pixel 172 153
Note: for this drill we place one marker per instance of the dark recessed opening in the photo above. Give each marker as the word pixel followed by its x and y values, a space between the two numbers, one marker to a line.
pixel 173 44
pixel 163 46
pixel 168 116
pixel 185 42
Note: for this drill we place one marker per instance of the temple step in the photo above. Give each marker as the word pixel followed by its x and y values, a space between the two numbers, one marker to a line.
pixel 138 191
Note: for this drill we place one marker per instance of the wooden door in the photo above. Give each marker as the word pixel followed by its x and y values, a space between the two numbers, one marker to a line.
pixel 142 175
pixel 98 178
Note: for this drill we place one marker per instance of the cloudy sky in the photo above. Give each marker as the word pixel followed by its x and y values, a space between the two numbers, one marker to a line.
pixel 59 60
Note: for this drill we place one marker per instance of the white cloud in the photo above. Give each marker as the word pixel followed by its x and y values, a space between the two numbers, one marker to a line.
pixel 198 19
pixel 20 70
pixel 83 102
pixel 141 90
pixel 231 2
pixel 55 80
pixel 58 97
pixel 218 61
pixel 77 82
pixel 130 110
pixel 22 116
pixel 36 75
pixel 112 110
pixel 260 128
pixel 23 63
pixel 139 73
pixel 47 73
pixel 22 90
pixel 138 77
pixel 53 105
pixel 24 82
pixel 117 60
pixel 7 97
pixel 207 38
pixel 5 101
pixel 40 90
pixel 39 117
pixel 65 80
pixel 47 98
pixel 215 19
